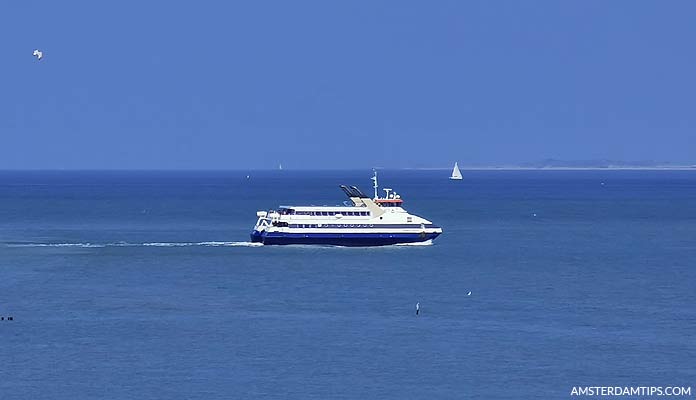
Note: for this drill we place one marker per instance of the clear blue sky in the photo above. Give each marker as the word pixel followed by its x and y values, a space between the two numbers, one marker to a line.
pixel 349 84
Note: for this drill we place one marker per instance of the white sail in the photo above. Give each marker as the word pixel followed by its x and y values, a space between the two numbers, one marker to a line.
pixel 456 174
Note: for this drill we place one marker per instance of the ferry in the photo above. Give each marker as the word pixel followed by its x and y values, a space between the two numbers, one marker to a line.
pixel 364 221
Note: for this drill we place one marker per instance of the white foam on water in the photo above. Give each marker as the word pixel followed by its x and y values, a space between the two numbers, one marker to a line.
pixel 428 242
pixel 127 244
pixel 230 244
pixel 207 244
pixel 168 244
pixel 54 245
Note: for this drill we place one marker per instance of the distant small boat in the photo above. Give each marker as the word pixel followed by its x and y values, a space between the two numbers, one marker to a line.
pixel 456 174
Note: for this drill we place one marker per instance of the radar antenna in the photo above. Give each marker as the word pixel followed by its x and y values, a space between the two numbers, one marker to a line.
pixel 374 178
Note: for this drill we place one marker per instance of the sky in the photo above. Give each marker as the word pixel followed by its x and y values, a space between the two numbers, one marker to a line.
pixel 344 84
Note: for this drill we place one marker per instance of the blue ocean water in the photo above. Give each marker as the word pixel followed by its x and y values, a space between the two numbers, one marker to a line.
pixel 135 285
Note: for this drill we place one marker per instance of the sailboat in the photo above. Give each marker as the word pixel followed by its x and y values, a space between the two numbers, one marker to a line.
pixel 456 174
pixel 280 167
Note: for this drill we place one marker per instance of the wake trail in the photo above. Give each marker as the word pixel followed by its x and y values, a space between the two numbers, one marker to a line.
pixel 127 244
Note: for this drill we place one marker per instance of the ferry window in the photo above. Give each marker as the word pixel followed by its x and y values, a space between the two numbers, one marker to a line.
pixel 331 213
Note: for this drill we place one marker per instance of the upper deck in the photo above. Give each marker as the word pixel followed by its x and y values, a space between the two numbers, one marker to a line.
pixel 324 211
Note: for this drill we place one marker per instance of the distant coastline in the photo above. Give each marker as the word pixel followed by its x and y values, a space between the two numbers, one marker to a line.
pixel 553 164
pixel 665 168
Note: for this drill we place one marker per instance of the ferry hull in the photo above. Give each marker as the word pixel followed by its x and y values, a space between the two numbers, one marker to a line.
pixel 342 239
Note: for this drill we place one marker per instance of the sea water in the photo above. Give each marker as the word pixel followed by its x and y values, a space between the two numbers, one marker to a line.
pixel 143 285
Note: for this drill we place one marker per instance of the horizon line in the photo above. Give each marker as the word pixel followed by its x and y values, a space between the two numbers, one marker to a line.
pixel 466 168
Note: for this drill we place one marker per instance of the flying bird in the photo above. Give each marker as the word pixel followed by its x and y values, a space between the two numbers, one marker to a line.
pixel 38 54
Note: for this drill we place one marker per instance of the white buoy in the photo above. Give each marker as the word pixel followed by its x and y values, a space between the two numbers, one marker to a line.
pixel 417 308
pixel 469 294
pixel 534 215
pixel 38 54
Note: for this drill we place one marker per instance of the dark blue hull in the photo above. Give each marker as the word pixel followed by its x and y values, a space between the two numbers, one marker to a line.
pixel 342 239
